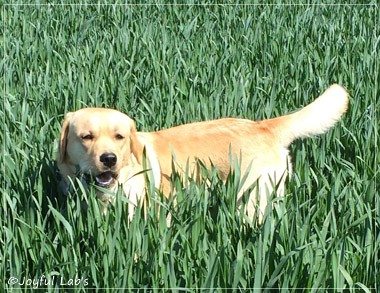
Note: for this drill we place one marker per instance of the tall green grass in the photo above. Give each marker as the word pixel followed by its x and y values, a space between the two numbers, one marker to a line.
pixel 167 65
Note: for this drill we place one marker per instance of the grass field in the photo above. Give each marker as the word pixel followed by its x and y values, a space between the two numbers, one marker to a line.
pixel 167 65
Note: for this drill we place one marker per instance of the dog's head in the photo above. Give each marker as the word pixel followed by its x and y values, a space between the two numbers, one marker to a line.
pixel 98 143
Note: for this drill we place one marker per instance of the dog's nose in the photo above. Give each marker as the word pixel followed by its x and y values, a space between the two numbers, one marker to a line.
pixel 108 159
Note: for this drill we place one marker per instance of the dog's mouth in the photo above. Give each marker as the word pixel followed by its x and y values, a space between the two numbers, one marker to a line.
pixel 105 179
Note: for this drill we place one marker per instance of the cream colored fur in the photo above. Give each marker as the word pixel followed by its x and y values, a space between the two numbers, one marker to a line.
pixel 261 145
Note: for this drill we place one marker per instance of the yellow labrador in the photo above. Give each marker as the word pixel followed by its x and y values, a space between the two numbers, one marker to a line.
pixel 103 145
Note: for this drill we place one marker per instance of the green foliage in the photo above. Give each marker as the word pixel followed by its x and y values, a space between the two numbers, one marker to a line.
pixel 166 65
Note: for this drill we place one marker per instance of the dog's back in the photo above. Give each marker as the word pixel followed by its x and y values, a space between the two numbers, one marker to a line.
pixel 261 145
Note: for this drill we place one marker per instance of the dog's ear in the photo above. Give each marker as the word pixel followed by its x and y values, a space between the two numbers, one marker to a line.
pixel 137 147
pixel 61 155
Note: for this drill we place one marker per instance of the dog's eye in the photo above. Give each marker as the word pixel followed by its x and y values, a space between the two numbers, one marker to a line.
pixel 87 137
pixel 119 136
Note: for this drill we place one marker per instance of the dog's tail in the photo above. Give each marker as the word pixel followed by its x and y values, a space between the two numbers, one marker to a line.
pixel 316 118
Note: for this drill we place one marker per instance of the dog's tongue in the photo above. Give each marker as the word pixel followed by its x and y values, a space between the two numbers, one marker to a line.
pixel 104 179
